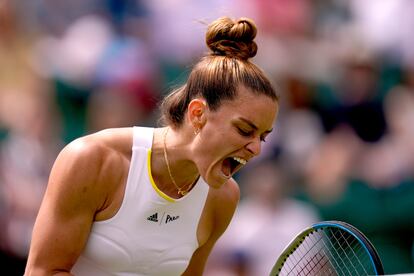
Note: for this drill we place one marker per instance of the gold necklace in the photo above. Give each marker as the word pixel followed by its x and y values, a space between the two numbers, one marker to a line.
pixel 180 191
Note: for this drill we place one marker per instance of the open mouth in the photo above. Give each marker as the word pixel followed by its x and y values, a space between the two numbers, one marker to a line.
pixel 232 165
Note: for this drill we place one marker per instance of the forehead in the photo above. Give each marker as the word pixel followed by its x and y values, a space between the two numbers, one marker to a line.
pixel 257 108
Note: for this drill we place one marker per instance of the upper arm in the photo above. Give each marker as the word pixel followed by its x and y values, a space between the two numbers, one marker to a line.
pixel 223 204
pixel 67 210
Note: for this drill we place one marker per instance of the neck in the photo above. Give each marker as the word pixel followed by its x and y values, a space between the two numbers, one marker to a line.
pixel 183 169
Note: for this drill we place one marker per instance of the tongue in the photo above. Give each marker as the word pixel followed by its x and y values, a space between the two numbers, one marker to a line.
pixel 226 168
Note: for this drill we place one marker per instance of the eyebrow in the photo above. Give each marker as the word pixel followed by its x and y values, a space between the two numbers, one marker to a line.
pixel 253 125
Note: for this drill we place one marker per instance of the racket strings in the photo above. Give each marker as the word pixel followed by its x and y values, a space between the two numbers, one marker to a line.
pixel 308 257
pixel 340 253
pixel 344 248
pixel 357 248
pixel 328 252
pixel 337 255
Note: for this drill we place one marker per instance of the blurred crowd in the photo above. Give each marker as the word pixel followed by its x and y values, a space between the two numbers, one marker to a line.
pixel 342 148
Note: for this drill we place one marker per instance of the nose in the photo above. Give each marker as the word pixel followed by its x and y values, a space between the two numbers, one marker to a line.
pixel 254 146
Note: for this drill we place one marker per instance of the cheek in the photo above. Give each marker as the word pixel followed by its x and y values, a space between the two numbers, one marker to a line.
pixel 220 141
pixel 210 147
pixel 217 148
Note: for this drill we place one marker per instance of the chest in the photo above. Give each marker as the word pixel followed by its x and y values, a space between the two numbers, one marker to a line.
pixel 149 240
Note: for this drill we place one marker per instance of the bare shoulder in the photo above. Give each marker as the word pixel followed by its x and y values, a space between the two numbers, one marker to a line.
pixel 113 139
pixel 100 148
pixel 228 194
pixel 225 200
pixel 93 163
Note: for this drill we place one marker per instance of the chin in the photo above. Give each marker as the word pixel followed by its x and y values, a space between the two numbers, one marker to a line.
pixel 217 181
pixel 215 178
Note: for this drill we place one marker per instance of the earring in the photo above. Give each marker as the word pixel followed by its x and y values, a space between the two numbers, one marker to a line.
pixel 196 131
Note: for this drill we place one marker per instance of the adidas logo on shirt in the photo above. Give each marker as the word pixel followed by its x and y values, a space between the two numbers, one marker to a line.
pixel 153 217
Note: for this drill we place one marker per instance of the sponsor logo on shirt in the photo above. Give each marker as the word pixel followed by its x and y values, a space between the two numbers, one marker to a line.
pixel 153 217
pixel 168 218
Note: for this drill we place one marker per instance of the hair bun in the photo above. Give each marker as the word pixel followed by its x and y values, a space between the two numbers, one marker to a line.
pixel 226 37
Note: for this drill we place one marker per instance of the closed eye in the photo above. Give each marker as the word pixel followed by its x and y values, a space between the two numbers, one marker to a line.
pixel 245 133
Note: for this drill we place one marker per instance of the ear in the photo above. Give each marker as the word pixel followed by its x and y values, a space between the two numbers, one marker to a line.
pixel 197 113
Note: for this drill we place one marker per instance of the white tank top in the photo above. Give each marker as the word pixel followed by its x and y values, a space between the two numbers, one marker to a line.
pixel 152 233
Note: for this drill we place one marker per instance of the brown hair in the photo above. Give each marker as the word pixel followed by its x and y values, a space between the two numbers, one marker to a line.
pixel 217 75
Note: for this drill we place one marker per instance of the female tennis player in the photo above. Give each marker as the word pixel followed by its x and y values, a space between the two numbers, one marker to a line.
pixel 153 201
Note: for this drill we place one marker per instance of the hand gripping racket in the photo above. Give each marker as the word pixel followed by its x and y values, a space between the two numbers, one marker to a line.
pixel 329 248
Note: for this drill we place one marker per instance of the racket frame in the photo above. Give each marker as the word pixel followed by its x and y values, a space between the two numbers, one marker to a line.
pixel 357 234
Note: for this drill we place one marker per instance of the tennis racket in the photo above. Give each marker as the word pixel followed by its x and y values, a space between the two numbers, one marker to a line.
pixel 329 248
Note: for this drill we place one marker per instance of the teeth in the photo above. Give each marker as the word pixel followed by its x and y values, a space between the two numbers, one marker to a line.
pixel 240 160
